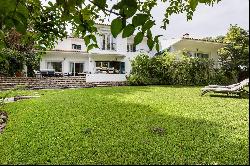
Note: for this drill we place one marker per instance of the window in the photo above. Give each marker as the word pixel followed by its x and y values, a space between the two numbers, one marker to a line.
pixel 201 55
pixel 76 47
pixel 189 53
pixel 102 64
pixel 98 64
pixel 76 68
pixel 108 42
pixel 131 47
pixel 122 67
pixel 55 65
pixel 105 64
pixel 112 67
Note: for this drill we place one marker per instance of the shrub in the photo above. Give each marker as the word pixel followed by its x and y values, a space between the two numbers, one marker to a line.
pixel 175 69
pixel 13 61
pixel 137 80
pixel 10 62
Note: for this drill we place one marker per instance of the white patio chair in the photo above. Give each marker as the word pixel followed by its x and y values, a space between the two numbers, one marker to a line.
pixel 230 89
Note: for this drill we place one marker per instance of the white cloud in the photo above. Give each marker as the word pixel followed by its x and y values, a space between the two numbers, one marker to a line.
pixel 207 20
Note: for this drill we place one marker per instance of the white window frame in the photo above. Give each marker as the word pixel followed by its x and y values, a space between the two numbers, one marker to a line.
pixel 195 54
pixel 130 47
pixel 108 38
pixel 50 61
pixel 73 44
pixel 74 67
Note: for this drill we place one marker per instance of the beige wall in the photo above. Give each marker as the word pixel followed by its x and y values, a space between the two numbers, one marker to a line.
pixel 194 46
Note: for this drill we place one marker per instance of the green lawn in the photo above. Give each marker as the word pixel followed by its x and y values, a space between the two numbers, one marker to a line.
pixel 126 125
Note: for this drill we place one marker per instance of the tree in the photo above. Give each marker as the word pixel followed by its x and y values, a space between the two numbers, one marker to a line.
pixel 26 26
pixel 215 39
pixel 235 55
pixel 19 52
pixel 47 23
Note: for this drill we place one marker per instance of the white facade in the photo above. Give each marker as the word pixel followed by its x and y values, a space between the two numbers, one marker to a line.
pixel 109 62
pixel 194 47
pixel 112 60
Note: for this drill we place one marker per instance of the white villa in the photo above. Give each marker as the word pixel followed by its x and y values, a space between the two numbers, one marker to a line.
pixel 109 62
pixel 194 47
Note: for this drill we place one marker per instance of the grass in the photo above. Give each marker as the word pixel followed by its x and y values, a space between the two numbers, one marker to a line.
pixel 117 125
pixel 12 93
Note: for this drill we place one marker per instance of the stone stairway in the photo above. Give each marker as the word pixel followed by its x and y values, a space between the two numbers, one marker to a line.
pixel 52 82
pixel 42 83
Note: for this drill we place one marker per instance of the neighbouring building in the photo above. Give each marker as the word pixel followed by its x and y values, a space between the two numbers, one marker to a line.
pixel 194 47
pixel 109 62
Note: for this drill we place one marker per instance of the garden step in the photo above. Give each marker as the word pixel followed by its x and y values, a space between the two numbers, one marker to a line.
pixel 44 82
pixel 51 82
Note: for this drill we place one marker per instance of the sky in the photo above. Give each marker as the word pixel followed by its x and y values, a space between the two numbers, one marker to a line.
pixel 208 21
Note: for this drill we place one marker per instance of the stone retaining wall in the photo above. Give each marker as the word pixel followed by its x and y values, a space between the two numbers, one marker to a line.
pixel 51 82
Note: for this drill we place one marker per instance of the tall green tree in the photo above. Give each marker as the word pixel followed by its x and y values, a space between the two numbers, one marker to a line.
pixel 26 26
pixel 47 23
pixel 235 55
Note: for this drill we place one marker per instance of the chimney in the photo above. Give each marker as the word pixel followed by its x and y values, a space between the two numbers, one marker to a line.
pixel 186 35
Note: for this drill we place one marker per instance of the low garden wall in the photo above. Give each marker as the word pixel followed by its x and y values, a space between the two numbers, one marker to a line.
pixel 40 83
pixel 105 77
pixel 53 82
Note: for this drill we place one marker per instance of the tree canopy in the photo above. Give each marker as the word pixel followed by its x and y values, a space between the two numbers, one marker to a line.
pixel 235 55
pixel 47 23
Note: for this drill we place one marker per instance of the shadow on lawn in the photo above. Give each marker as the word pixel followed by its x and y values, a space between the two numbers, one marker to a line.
pixel 118 133
pixel 175 86
pixel 183 140
pixel 245 96
pixel 130 138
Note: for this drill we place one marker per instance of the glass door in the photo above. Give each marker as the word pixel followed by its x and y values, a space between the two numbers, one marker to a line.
pixel 76 68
